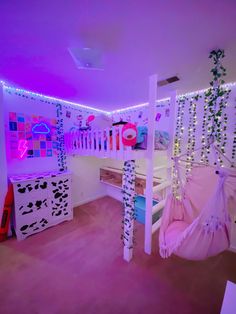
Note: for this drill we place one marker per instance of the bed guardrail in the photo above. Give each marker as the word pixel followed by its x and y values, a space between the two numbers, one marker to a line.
pixel 103 143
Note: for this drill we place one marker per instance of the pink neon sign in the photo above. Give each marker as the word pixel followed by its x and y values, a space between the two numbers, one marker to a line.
pixel 22 148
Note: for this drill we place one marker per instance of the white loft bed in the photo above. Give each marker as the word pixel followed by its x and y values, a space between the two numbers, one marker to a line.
pixel 97 143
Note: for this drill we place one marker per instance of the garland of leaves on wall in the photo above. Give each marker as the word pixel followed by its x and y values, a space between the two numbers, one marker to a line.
pixel 61 157
pixel 204 138
pixel 191 143
pixel 217 97
pixel 179 131
pixel 128 190
pixel 234 139
pixel 214 120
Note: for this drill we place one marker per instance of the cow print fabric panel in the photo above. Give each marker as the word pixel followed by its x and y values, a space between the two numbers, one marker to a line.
pixel 34 226
pixel 60 200
pixel 41 201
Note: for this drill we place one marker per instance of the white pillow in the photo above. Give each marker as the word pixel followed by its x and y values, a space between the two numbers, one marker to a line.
pixel 101 121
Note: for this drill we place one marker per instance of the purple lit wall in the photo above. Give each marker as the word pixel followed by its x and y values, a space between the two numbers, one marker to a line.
pixel 21 115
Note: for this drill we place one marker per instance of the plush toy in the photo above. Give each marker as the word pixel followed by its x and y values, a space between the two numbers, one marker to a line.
pixel 129 134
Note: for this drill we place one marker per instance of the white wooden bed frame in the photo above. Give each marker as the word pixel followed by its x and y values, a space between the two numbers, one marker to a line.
pixel 83 143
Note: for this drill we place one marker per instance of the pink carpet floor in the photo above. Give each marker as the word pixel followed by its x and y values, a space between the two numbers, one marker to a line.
pixel 77 267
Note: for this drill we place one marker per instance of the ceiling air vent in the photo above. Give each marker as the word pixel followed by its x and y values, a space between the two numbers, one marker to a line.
pixel 87 58
pixel 168 81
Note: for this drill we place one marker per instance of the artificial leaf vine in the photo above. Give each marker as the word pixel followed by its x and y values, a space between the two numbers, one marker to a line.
pixel 217 97
pixel 61 157
pixel 234 140
pixel 128 189
pixel 179 125
pixel 191 143
pixel 214 119
pixel 210 108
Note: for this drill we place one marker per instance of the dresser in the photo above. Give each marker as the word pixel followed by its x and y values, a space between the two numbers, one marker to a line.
pixel 41 200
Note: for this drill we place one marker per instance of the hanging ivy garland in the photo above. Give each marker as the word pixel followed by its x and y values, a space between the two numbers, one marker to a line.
pixel 61 157
pixel 204 138
pixel 217 97
pixel 189 132
pixel 179 125
pixel 214 120
pixel 191 143
pixel 128 190
pixel 234 140
pixel 179 131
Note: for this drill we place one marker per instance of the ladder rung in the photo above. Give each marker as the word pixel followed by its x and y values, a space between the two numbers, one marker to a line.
pixel 161 186
pixel 161 167
pixel 156 208
pixel 156 225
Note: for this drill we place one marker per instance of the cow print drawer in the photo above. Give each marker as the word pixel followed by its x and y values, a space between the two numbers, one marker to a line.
pixel 41 203
pixel 32 206
pixel 31 190
pixel 35 226
pixel 61 195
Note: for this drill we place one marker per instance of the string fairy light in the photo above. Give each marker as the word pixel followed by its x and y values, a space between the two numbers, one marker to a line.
pixel 233 152
pixel 138 106
pixel 204 138
pixel 46 99
pixel 214 120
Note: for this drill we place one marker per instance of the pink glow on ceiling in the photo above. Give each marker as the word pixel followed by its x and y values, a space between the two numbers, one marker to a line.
pixel 137 39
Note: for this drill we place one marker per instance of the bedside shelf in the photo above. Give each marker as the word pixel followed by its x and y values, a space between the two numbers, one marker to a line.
pixel 113 177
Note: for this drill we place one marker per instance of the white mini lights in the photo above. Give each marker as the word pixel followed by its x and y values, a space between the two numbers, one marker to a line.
pixel 191 143
pixel 47 99
pixel 233 152
pixel 117 111
pixel 179 131
pixel 217 101
pixel 204 137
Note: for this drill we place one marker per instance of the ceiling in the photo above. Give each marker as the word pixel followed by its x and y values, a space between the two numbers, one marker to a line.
pixel 137 38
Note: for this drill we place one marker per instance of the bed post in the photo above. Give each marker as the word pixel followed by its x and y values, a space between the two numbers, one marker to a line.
pixel 128 189
pixel 150 162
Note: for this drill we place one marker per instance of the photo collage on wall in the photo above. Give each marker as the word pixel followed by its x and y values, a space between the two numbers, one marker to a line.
pixel 32 136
